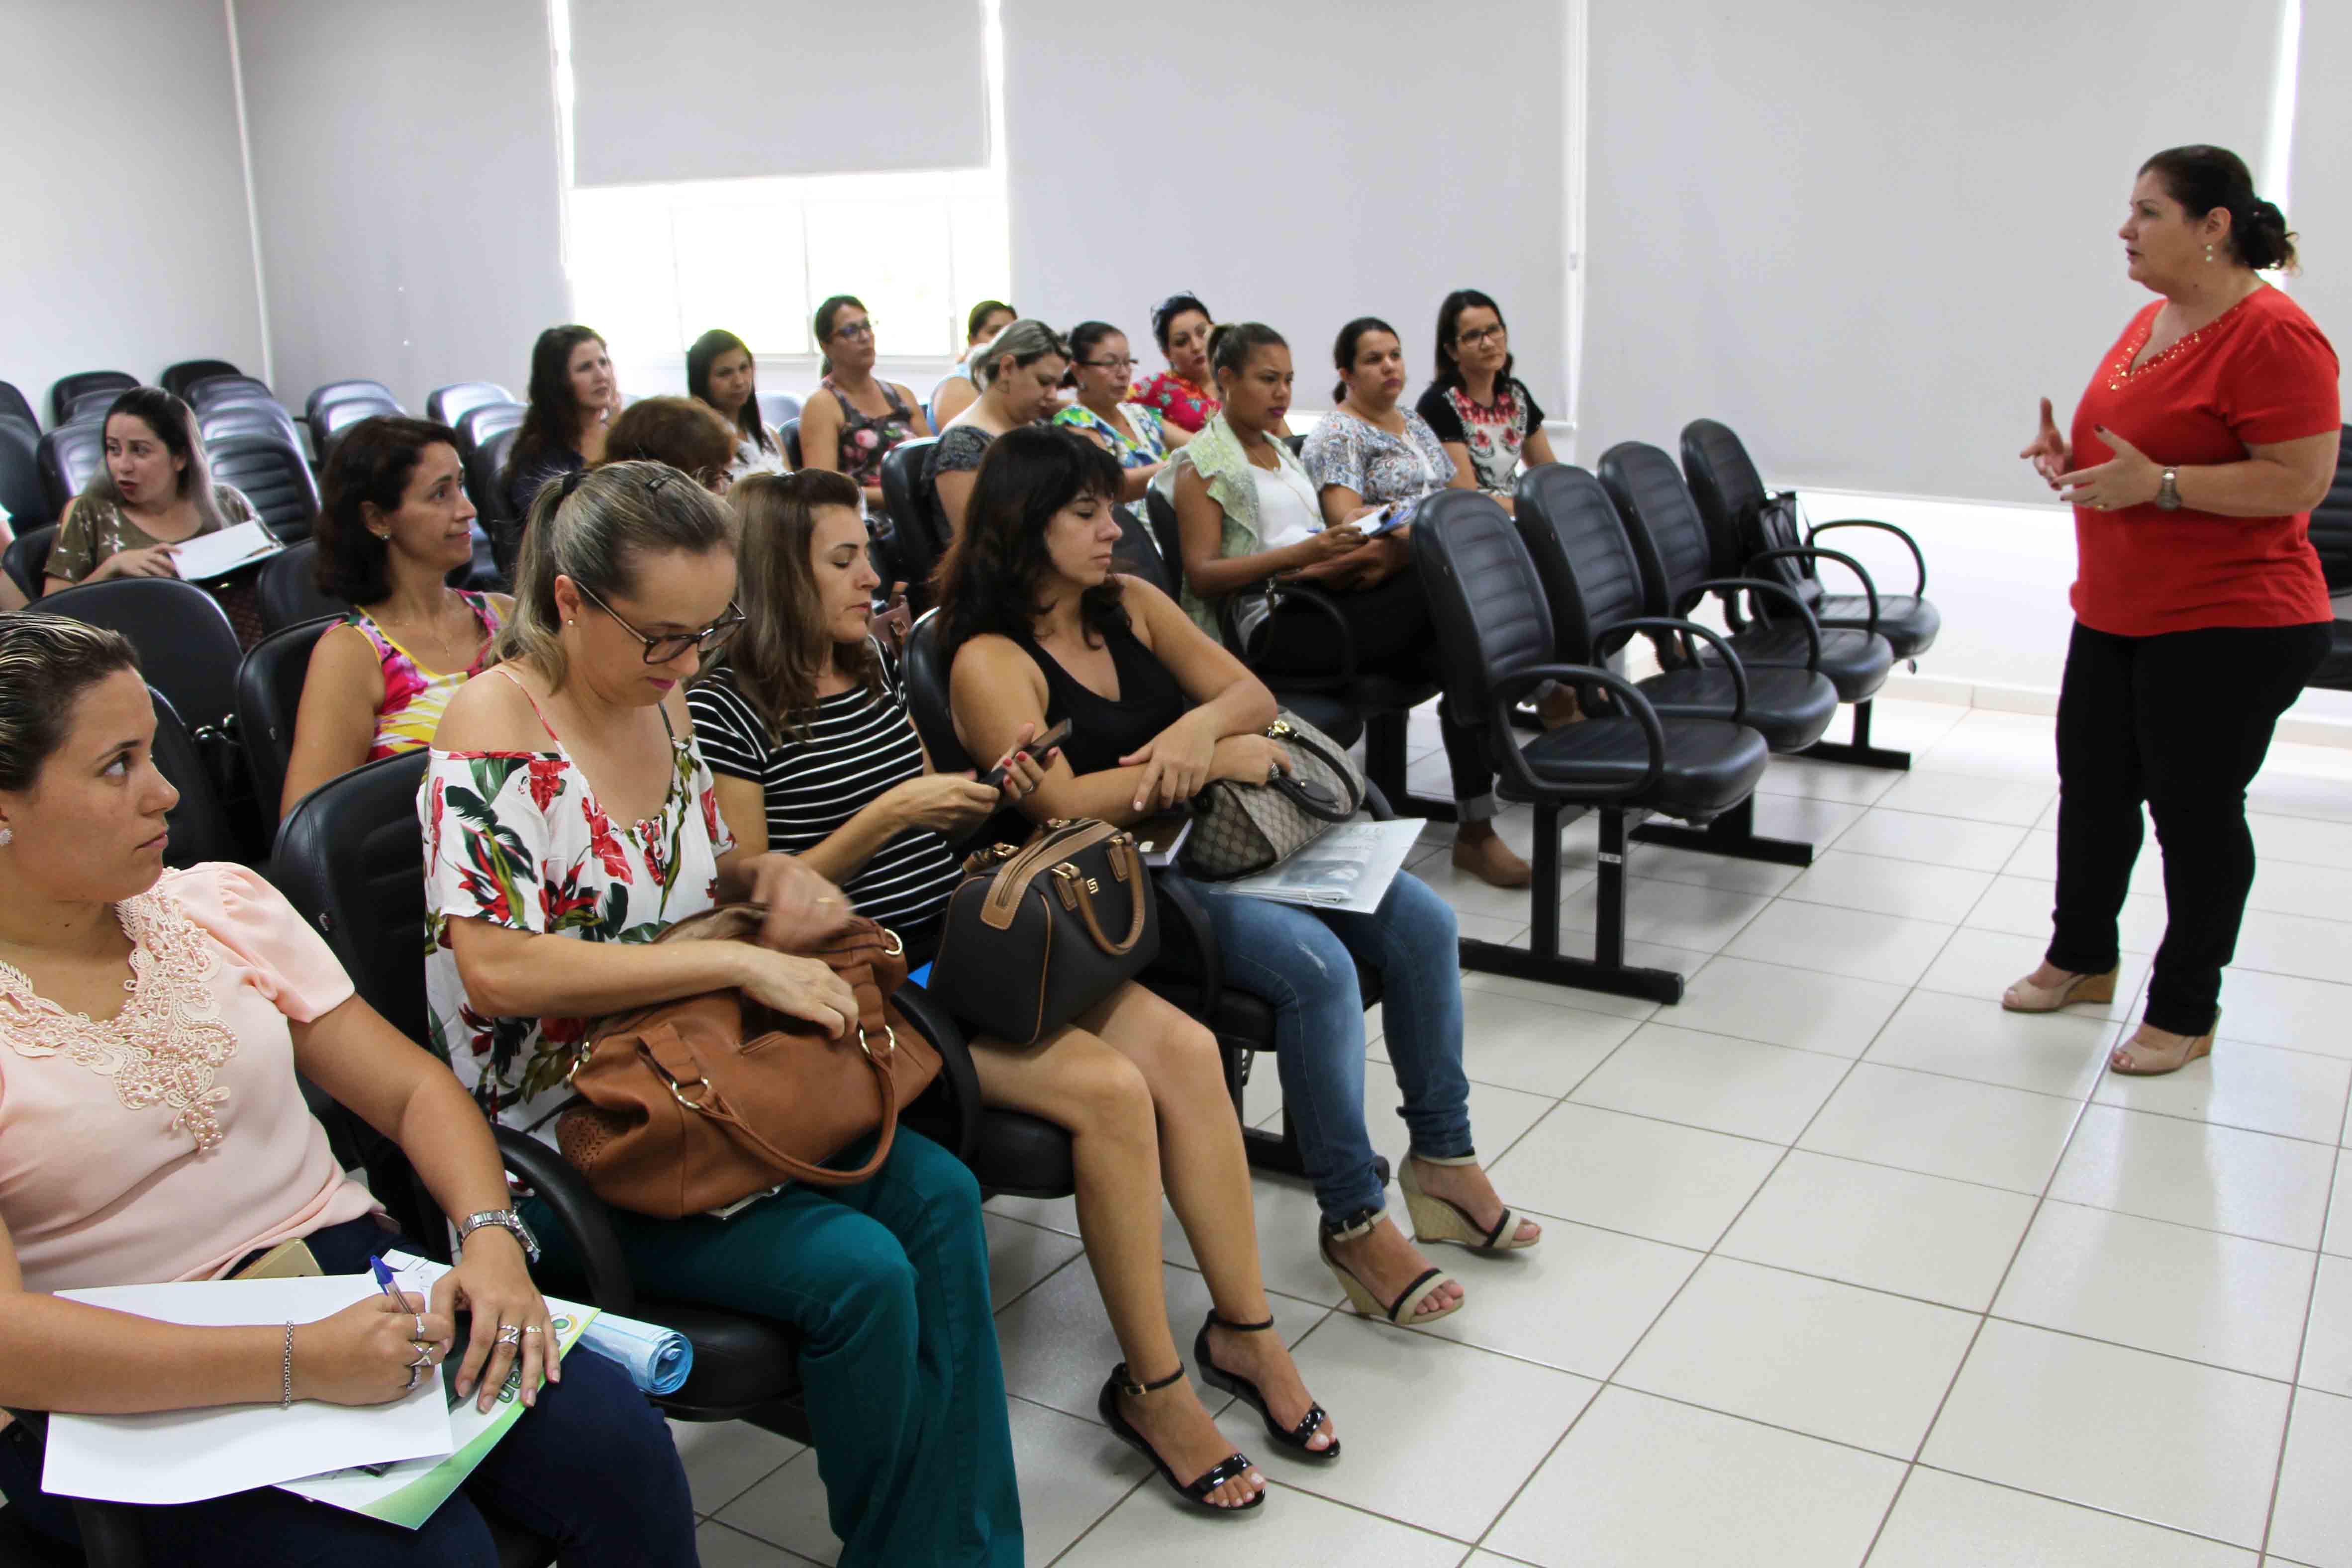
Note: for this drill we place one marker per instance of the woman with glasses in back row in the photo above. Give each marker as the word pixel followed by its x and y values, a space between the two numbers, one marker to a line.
pixel 1485 417
pixel 854 418
pixel 1101 369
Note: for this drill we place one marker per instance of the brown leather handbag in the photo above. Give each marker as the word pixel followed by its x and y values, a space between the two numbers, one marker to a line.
pixel 1036 933
pixel 692 1105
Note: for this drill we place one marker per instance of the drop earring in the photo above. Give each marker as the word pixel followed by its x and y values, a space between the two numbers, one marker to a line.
pixel 7 835
pixel 2208 253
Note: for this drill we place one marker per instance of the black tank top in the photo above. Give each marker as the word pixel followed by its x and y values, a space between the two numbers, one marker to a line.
pixel 1102 730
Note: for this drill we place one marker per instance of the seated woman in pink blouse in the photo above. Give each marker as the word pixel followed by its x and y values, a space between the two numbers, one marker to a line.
pixel 152 1128
pixel 395 523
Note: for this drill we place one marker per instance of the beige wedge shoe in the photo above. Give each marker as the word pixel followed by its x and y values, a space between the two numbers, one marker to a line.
pixel 2136 1060
pixel 1402 1312
pixel 1443 1219
pixel 2027 997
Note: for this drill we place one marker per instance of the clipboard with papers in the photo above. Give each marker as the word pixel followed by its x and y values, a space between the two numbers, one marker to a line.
pixel 209 557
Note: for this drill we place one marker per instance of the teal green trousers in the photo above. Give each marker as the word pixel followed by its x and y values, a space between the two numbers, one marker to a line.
pixel 887 1281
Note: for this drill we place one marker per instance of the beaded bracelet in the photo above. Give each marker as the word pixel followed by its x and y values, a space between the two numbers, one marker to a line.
pixel 286 1372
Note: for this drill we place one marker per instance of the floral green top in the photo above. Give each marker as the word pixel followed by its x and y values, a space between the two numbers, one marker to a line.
pixel 517 838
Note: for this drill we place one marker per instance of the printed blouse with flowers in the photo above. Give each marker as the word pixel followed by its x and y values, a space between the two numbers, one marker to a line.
pixel 1494 432
pixel 1177 400
pixel 866 438
pixel 518 839
pixel 415 698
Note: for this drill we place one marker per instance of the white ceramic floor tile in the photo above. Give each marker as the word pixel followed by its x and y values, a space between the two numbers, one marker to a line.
pixel 1019 1255
pixel 2170 1289
pixel 1995 745
pixel 1943 1127
pixel 1826 781
pixel 2302 839
pixel 1665 863
pixel 2260 1088
pixel 1676 914
pixel 1052 1213
pixel 2287 1010
pixel 717 1546
pixel 2158 1167
pixel 788 1510
pixel 2168 1441
pixel 2312 1520
pixel 1436 1433
pixel 1534 1046
pixel 1713 1082
pixel 1287 1216
pixel 1936 840
pixel 2274 943
pixel 1470 895
pixel 2017 802
pixel 1642 1482
pixel 2327 1347
pixel 1511 931
pixel 1974 1038
pixel 1152 1530
pixel 2290 888
pixel 1985 963
pixel 1072 1472
pixel 724 1459
pixel 1951 1522
pixel 1624 1172
pixel 1842 941
pixel 1808 821
pixel 1474 981
pixel 1874 883
pixel 1837 1013
pixel 1578 1302
pixel 1890 1230
pixel 2339 1213
pixel 1852 1365
pixel 2021 906
pixel 2038 857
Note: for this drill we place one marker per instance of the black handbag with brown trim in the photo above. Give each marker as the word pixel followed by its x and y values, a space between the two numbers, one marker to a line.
pixel 1038 932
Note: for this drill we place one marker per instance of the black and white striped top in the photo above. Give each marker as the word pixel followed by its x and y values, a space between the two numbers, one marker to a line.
pixel 858 745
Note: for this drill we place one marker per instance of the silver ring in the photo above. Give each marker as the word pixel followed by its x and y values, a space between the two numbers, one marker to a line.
pixel 420 1325
pixel 510 1333
pixel 424 1355
pixel 533 1329
pixel 413 1372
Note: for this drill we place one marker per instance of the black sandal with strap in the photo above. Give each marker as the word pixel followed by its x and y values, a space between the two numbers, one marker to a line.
pixel 1295 1437
pixel 1233 1466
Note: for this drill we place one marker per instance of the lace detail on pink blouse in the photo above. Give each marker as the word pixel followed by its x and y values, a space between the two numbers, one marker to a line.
pixel 167 1045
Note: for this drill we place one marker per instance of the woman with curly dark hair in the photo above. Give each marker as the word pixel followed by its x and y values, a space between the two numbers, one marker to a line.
pixel 395 523
pixel 573 395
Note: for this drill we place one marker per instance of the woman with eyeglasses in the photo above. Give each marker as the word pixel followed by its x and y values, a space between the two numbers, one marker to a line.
pixel 854 418
pixel 1101 370
pixel 570 819
pixel 1485 417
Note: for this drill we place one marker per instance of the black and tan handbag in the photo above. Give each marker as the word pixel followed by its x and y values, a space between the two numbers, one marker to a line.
pixel 1038 932
pixel 1240 829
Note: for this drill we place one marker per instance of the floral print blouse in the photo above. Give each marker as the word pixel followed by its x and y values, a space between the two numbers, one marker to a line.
pixel 1377 466
pixel 517 838
pixel 1152 446
pixel 415 698
pixel 1494 434
pixel 866 438
pixel 1180 401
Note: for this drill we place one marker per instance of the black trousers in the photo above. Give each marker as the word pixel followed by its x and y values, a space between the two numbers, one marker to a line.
pixel 1393 636
pixel 2181 721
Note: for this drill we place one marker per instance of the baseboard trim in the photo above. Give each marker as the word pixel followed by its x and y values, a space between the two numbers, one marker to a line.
pixel 2043 702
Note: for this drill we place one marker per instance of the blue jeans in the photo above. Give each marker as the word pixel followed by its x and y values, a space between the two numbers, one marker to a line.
pixel 590 1467
pixel 1303 961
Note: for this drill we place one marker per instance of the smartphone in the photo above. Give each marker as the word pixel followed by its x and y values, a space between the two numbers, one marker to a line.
pixel 994 777
pixel 1394 515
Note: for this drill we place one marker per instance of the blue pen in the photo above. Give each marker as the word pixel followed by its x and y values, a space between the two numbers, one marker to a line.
pixel 386 1282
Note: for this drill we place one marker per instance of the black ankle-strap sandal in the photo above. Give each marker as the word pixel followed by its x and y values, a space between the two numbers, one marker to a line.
pixel 1233 1466
pixel 1294 1438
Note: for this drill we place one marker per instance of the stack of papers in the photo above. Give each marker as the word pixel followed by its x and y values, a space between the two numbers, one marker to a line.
pixel 1348 867
pixel 212 555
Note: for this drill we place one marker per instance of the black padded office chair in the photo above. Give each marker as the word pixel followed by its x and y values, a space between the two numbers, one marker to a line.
pixel 288 590
pixel 185 645
pixel 479 424
pixel 916 535
pixel 1494 633
pixel 213 390
pixel 789 430
pixel 178 379
pixel 199 824
pixel 14 405
pixel 66 457
pixel 28 557
pixel 1592 581
pixel 338 417
pixel 81 384
pixel 1683 562
pixel 447 404
pixel 2331 535
pixel 90 406
pixel 22 491
pixel 273 476
pixel 219 421
pixel 333 392
pixel 1741 513
pixel 269 697
pixel 777 408
pixel 486 483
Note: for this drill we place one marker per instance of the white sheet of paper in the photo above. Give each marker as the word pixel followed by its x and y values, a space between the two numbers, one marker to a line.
pixel 1348 867
pixel 184 1455
pixel 209 555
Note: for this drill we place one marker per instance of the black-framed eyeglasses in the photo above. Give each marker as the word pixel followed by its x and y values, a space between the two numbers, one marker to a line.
pixel 664 649
pixel 1482 337
pixel 854 328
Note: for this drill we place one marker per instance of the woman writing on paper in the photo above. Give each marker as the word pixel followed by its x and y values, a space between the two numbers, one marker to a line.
pixel 152 1128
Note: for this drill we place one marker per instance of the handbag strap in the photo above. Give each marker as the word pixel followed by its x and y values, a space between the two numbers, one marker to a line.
pixel 1129 867
pixel 1314 742
pixel 1297 793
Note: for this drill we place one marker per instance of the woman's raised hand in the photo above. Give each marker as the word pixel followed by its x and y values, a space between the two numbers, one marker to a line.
pixel 1175 763
pixel 950 805
pixel 805 988
pixel 362 1354
pixel 2048 451
pixel 803 909
pixel 154 561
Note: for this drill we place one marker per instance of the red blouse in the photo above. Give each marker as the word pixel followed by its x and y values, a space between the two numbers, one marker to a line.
pixel 2260 372
pixel 1178 401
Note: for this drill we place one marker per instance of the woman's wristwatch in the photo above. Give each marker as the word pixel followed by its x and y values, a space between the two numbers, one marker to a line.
pixel 505 1219
pixel 2168 491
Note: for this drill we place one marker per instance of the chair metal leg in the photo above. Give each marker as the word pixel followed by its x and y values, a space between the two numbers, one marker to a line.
pixel 1384 735
pixel 1606 970
pixel 1732 834
pixel 1858 750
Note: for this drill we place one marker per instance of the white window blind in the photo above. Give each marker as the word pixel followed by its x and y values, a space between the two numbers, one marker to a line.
pixel 714 89
pixel 2319 201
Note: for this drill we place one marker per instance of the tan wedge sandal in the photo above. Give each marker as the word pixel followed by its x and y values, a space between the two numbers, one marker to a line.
pixel 1443 1219
pixel 2145 1061
pixel 1401 1312
pixel 2027 997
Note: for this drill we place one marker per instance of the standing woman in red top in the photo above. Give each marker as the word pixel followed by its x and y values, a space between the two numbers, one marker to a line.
pixel 2197 453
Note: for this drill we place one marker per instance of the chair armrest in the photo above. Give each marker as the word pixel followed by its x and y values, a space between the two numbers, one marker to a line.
pixel 1603 644
pixel 1278 593
pixel 1180 915
pixel 1507 692
pixel 1770 590
pixel 955 1061
pixel 1377 803
pixel 1869 588
pixel 1919 589
pixel 580 1212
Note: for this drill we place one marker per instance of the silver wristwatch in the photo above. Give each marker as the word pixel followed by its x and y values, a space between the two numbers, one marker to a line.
pixel 2168 491
pixel 505 1219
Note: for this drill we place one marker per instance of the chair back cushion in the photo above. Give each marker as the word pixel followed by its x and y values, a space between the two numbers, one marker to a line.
pixel 198 826
pixel 1485 600
pixel 336 392
pixel 13 403
pixel 790 432
pixel 179 379
pixel 28 558
pixel 351 857
pixel 269 696
pixel 446 405
pixel 915 519
pixel 68 457
pixel 1590 576
pixel 1670 538
pixel 2331 522
pixel 926 667
pixel 288 590
pixel 1728 491
pixel 22 491
pixel 82 382
pixel 273 476
pixel 185 645
pixel 207 391
pixel 477 425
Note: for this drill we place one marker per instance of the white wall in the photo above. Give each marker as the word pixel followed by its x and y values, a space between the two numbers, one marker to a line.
pixel 1297 165
pixel 127 243
pixel 404 161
